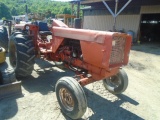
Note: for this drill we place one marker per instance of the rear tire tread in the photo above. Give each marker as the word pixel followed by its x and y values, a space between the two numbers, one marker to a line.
pixel 25 54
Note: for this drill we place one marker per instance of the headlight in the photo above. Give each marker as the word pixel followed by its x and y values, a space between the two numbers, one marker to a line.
pixel 27 27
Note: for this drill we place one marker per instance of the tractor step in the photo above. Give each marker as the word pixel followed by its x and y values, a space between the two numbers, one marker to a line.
pixel 10 89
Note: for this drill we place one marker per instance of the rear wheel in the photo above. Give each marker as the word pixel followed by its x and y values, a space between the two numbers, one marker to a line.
pixel 117 83
pixel 4 37
pixel 71 97
pixel 21 54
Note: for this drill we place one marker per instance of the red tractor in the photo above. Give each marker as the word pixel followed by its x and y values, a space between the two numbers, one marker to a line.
pixel 93 55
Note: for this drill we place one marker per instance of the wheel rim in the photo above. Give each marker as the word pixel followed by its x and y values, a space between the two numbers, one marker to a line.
pixel 113 81
pixel 13 55
pixel 66 99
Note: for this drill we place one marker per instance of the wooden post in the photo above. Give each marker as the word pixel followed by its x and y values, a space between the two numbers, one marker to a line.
pixel 116 7
pixel 72 8
pixel 78 9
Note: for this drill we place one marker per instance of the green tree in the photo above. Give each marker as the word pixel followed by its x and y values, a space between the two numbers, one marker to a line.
pixel 4 11
pixel 14 11
pixel 66 11
pixel 17 7
pixel 3 18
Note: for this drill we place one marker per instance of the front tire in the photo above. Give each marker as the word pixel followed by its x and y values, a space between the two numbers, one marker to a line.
pixel 71 97
pixel 21 54
pixel 117 83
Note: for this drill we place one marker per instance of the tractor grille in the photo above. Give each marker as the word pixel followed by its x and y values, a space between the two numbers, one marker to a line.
pixel 117 54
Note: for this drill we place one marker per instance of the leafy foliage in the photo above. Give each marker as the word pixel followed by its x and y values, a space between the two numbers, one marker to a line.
pixel 4 11
pixel 47 7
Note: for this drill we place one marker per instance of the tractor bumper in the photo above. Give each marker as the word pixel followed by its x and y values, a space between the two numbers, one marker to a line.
pixel 10 89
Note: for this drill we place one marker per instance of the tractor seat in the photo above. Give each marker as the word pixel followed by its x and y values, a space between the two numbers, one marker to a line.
pixel 43 29
pixel 45 32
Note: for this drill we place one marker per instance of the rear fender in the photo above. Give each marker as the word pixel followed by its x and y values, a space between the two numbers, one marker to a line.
pixel 19 26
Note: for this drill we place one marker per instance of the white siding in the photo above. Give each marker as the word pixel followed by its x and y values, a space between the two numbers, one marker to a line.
pixel 150 9
pixel 105 22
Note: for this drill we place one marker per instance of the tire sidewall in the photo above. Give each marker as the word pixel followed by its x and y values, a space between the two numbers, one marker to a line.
pixel 17 63
pixel 5 31
pixel 120 88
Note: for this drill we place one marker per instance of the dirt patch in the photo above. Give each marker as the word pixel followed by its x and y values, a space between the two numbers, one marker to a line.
pixel 136 66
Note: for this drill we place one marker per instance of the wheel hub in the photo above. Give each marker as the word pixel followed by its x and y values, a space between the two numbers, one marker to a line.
pixel 114 81
pixel 66 99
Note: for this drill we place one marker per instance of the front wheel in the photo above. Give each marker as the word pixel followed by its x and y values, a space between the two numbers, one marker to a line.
pixel 117 83
pixel 71 97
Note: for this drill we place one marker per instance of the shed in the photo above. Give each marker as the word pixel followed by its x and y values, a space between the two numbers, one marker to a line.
pixel 140 16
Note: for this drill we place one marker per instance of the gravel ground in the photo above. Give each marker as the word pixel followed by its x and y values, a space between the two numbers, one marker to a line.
pixel 140 101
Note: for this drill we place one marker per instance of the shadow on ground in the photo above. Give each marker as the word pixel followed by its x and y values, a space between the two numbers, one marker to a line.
pixel 104 109
pixel 152 48
pixel 44 77
pixel 8 107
